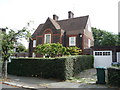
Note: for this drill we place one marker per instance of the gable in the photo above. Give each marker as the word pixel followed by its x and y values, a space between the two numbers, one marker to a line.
pixel 88 30
pixel 49 24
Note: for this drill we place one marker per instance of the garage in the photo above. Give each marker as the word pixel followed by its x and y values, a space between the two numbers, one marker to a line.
pixel 102 58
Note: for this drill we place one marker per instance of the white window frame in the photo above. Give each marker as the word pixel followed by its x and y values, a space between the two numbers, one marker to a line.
pixel 34 43
pixel 33 55
pixel 89 43
pixel 72 44
pixel 45 38
pixel 102 53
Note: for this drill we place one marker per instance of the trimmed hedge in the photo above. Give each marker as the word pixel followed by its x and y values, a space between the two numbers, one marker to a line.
pixel 60 68
pixel 114 76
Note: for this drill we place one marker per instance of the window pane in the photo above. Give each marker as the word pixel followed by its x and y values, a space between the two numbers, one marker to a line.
pixel 47 38
pixel 34 43
pixel 72 41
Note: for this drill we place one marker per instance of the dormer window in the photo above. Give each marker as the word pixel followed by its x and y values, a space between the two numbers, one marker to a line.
pixel 34 43
pixel 72 41
pixel 47 38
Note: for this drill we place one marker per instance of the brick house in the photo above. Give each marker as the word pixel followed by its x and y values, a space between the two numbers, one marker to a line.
pixel 74 31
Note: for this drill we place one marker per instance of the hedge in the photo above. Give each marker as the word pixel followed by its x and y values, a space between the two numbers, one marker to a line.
pixel 60 68
pixel 114 76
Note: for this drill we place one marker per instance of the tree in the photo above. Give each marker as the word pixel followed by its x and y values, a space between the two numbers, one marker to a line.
pixel 8 44
pixel 104 38
pixel 20 48
pixel 118 43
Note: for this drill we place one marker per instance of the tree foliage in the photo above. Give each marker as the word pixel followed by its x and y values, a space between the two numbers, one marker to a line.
pixel 104 38
pixel 8 42
pixel 8 45
pixel 119 39
pixel 20 48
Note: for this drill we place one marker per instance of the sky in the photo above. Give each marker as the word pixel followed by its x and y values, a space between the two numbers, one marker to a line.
pixel 15 14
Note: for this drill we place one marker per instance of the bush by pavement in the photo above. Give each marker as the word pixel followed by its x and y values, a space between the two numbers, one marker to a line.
pixel 61 68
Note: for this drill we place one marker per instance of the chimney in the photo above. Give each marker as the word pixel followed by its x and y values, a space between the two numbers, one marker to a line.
pixel 3 29
pixel 55 17
pixel 70 14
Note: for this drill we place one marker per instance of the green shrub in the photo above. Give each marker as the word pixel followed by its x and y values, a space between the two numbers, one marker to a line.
pixel 50 50
pixel 114 76
pixel 61 68
pixel 73 51
pixel 56 49
pixel 82 62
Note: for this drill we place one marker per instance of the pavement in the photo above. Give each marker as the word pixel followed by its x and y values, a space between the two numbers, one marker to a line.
pixel 87 80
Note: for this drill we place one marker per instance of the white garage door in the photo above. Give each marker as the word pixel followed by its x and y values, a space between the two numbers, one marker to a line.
pixel 102 58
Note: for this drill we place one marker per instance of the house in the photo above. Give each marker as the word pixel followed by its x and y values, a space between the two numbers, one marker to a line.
pixel 74 31
pixel 104 56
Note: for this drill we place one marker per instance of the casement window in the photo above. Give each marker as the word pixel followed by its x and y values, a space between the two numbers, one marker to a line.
pixel 72 41
pixel 33 54
pixel 47 38
pixel 34 43
pixel 89 43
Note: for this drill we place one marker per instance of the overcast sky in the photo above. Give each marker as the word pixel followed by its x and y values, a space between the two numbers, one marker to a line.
pixel 16 13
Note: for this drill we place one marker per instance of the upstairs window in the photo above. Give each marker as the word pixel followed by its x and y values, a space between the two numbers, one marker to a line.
pixel 34 43
pixel 47 38
pixel 72 41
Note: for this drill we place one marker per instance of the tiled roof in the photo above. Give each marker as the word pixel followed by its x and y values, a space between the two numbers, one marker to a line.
pixel 78 23
pixel 72 25
pixel 37 30
pixel 57 26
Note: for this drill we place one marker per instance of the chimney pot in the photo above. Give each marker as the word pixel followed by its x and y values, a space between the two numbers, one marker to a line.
pixel 55 17
pixel 70 14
